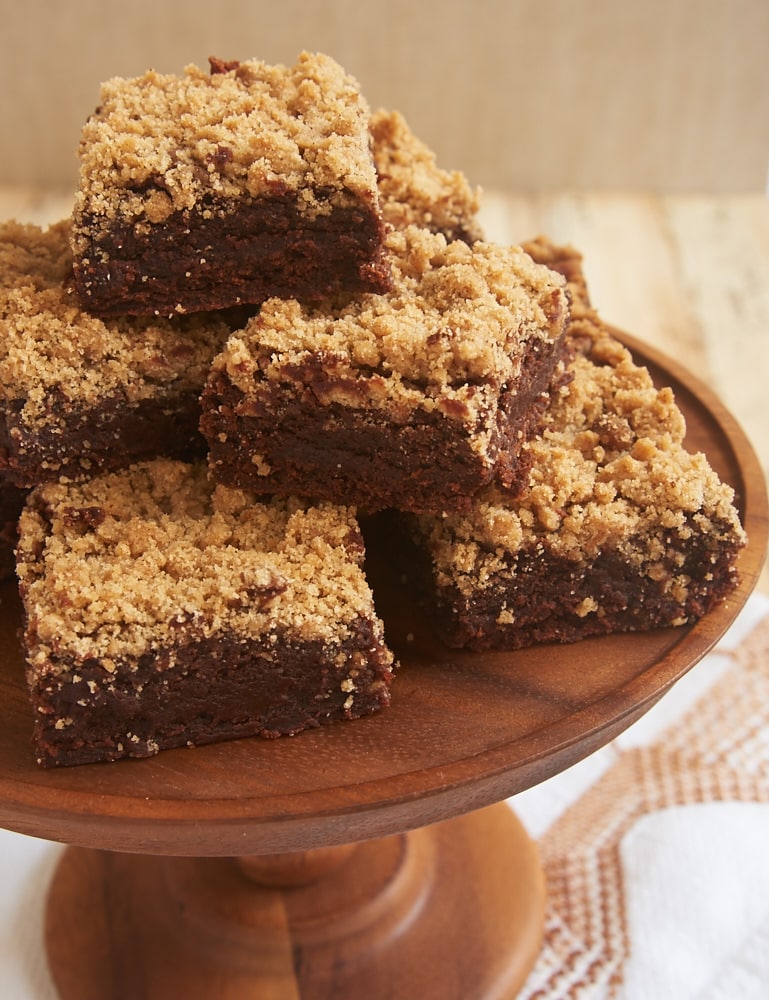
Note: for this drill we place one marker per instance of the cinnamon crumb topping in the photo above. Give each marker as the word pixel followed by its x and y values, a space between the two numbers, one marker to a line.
pixel 413 189
pixel 115 566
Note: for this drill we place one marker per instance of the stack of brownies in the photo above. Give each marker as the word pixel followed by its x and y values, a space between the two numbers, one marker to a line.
pixel 271 316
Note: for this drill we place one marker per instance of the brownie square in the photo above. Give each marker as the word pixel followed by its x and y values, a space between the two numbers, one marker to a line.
pixel 162 611
pixel 414 399
pixel 79 394
pixel 620 527
pixel 210 190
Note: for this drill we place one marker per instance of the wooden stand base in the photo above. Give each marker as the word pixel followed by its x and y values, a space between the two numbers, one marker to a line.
pixel 453 910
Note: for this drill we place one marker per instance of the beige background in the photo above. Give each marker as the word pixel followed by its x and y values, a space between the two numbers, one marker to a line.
pixel 523 95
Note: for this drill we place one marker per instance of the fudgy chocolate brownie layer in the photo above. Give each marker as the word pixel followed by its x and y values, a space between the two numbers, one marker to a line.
pixel 200 692
pixel 538 598
pixel 73 443
pixel 11 503
pixel 215 256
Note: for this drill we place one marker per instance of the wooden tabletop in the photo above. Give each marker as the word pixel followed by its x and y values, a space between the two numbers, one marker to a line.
pixel 687 274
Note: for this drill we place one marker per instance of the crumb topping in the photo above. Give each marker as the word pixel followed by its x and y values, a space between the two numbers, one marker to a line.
pixel 567 260
pixel 48 345
pixel 162 143
pixel 32 257
pixel 413 190
pixel 454 330
pixel 610 470
pixel 128 562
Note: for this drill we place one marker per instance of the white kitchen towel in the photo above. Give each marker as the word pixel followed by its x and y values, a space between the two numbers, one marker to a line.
pixel 656 849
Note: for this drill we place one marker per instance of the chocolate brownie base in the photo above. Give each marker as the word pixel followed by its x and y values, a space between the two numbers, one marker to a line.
pixel 73 443
pixel 218 256
pixel 12 500
pixel 536 598
pixel 202 692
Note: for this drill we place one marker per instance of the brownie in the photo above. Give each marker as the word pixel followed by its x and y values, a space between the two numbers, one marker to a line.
pixel 620 528
pixel 162 611
pixel 79 394
pixel 414 399
pixel 414 190
pixel 214 189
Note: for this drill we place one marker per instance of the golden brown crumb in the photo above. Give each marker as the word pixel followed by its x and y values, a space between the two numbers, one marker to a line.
pixel 413 189
pixel 33 257
pixel 112 567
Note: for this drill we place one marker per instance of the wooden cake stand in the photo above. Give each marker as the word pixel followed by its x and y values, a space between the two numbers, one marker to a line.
pixel 374 858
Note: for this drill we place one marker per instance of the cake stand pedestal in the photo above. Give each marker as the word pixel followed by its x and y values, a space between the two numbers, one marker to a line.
pixel 453 910
pixel 374 858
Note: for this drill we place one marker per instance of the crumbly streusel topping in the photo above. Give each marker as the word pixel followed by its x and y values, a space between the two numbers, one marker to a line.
pixel 413 189
pixel 136 560
pixel 32 257
pixel 567 260
pixel 609 471
pixel 48 343
pixel 161 143
pixel 455 329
